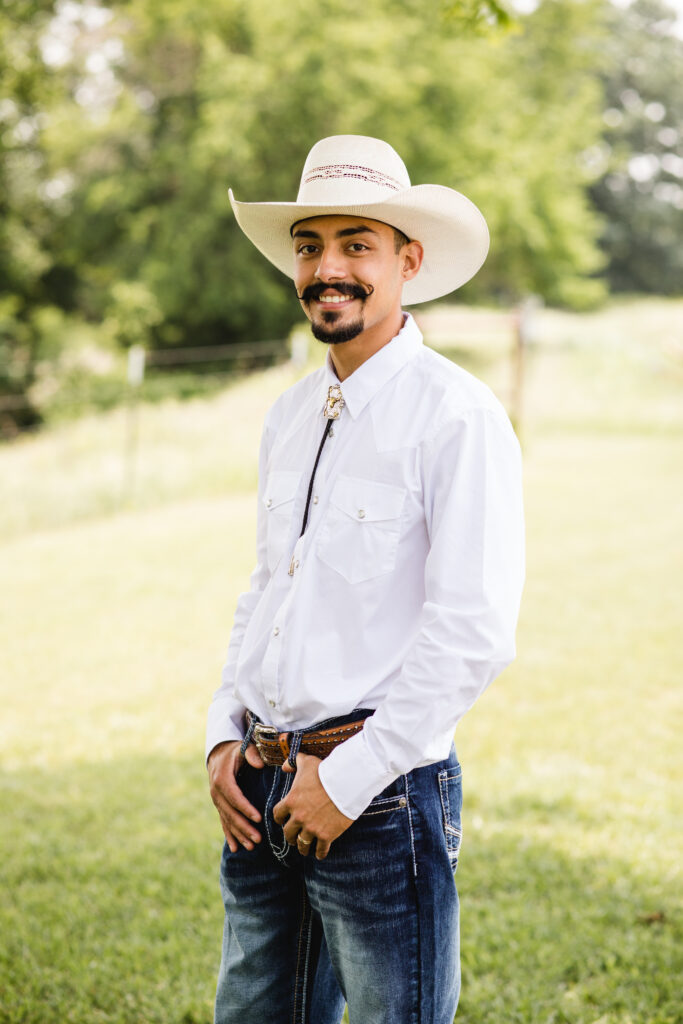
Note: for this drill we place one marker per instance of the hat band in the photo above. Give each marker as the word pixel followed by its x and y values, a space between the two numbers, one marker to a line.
pixel 360 173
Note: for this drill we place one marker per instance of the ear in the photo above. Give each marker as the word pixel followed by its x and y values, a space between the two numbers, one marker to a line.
pixel 412 255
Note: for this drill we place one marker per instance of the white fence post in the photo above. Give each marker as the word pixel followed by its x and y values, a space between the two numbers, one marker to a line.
pixel 136 375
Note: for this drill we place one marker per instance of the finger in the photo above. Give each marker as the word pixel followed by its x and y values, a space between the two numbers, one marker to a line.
pixel 303 759
pixel 240 827
pixel 304 843
pixel 281 812
pixel 245 836
pixel 228 789
pixel 291 830
pixel 287 768
pixel 253 757
pixel 230 839
pixel 227 809
pixel 322 849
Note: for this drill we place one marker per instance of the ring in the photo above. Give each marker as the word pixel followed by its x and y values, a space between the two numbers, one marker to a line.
pixel 304 842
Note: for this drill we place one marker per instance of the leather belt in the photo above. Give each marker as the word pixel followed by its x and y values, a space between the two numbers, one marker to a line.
pixel 274 746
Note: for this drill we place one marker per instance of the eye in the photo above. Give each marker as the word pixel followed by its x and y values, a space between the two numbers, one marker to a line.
pixel 357 247
pixel 306 250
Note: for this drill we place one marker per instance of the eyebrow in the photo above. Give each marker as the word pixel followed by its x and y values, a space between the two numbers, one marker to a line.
pixel 344 233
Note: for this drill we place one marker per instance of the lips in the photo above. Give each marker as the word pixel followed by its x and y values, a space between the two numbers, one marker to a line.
pixel 334 300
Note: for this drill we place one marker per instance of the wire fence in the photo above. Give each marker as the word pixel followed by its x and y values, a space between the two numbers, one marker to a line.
pixel 147 374
pixel 151 374
pixel 142 457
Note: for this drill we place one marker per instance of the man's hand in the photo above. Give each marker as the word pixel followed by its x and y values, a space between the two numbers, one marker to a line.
pixel 308 812
pixel 235 811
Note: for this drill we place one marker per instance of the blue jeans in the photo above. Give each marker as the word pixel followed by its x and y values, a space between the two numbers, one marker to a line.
pixel 375 924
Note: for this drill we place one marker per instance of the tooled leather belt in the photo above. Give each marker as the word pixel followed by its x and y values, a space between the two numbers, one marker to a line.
pixel 274 746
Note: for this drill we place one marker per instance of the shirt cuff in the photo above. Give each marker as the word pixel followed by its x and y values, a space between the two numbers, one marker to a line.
pixel 225 722
pixel 351 776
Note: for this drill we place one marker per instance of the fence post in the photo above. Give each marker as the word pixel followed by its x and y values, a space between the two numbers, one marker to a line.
pixel 298 347
pixel 525 334
pixel 136 375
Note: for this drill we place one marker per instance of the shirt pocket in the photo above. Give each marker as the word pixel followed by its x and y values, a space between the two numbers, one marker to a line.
pixel 360 535
pixel 278 501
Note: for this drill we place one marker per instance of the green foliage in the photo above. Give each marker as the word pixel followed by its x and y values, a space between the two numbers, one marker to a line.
pixel 191 100
pixel 478 15
pixel 25 258
pixel 134 311
pixel 640 190
pixel 124 126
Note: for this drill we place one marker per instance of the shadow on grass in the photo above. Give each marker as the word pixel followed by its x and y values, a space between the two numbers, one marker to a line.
pixel 110 909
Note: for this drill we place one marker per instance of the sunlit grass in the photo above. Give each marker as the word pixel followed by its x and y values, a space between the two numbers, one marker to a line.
pixel 113 628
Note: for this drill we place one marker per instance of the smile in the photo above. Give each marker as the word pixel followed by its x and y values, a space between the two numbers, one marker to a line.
pixel 334 300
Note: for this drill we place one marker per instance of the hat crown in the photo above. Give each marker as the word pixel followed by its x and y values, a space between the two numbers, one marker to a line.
pixel 351 169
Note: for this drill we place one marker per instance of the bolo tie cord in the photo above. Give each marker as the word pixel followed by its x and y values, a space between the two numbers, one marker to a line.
pixel 310 483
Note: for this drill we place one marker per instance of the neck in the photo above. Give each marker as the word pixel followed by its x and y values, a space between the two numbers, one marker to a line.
pixel 349 355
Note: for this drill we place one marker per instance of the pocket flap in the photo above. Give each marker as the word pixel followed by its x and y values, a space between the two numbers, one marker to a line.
pixel 366 500
pixel 281 487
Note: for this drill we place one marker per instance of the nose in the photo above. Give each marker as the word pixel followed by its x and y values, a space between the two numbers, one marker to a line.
pixel 330 266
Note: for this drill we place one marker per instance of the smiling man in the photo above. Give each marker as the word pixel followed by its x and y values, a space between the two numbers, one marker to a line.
pixel 390 563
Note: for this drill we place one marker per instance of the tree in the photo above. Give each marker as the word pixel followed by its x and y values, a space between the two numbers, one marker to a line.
pixel 640 189
pixel 156 106
pixel 25 225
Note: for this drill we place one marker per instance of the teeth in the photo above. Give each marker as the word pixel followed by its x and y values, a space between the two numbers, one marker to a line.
pixel 333 298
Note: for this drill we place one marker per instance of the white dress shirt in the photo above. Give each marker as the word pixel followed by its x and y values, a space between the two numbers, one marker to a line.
pixel 403 593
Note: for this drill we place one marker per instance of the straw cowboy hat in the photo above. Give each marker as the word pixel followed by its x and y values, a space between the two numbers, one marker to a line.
pixel 364 177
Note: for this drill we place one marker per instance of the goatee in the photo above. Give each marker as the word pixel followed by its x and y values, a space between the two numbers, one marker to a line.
pixel 336 335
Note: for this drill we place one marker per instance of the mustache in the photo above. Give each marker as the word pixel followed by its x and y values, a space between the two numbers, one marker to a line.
pixel 355 291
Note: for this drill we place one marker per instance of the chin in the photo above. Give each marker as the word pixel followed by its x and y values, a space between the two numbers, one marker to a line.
pixel 330 334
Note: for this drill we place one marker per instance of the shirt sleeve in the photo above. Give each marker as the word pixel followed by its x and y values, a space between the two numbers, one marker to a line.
pixel 474 574
pixel 226 713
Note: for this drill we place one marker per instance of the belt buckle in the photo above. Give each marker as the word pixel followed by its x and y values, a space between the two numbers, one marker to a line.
pixel 267 732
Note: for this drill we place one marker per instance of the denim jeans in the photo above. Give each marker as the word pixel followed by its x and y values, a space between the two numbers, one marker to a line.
pixel 375 924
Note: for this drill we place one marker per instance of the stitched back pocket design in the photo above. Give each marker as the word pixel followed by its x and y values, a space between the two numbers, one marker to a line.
pixel 450 791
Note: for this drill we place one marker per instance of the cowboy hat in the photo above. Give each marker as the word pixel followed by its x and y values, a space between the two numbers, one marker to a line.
pixel 364 177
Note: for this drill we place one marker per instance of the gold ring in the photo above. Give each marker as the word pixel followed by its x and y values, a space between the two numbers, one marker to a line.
pixel 304 842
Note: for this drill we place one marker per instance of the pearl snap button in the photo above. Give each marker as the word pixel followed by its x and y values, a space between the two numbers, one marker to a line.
pixel 315 499
pixel 269 502
pixel 276 631
pixel 272 703
pixel 361 513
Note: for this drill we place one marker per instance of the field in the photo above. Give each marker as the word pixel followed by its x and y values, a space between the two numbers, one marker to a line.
pixel 114 616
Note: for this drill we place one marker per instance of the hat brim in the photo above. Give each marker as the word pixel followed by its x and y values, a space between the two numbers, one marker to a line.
pixel 450 227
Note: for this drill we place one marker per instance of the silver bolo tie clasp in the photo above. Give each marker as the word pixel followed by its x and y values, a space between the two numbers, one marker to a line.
pixel 335 402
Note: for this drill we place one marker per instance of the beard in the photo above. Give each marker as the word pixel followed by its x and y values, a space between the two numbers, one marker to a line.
pixel 324 330
pixel 331 335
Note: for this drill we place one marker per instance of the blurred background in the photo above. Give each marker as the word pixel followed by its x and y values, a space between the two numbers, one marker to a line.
pixel 142 339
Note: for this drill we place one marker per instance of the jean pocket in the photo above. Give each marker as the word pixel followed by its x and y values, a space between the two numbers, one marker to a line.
pixel 450 791
pixel 278 501
pixel 359 538
pixel 384 805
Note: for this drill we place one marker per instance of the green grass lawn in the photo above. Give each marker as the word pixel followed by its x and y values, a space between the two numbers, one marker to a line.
pixel 114 619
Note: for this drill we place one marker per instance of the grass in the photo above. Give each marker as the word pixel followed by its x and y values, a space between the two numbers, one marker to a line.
pixel 113 622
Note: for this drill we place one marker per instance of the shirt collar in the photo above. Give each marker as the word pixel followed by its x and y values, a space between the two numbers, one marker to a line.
pixel 373 374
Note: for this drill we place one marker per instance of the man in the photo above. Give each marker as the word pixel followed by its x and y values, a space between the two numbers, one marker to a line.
pixel 384 601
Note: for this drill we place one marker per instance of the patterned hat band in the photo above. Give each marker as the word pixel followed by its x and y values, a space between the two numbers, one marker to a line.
pixel 356 171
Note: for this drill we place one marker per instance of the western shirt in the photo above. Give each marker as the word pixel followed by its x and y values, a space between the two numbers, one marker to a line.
pixel 402 594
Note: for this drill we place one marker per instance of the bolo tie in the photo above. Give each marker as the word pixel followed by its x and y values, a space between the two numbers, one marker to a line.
pixel 332 411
